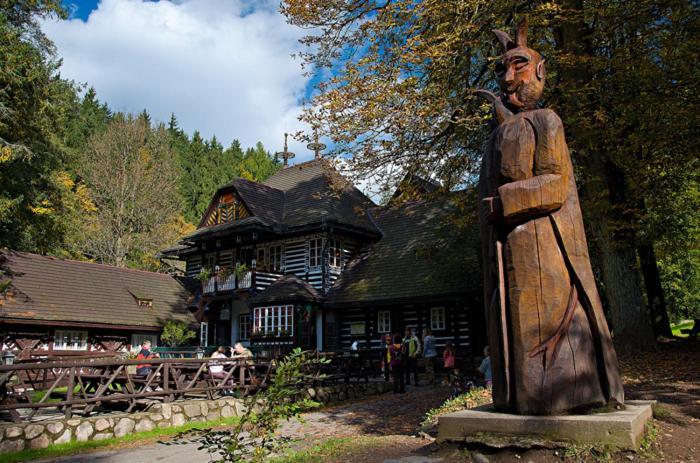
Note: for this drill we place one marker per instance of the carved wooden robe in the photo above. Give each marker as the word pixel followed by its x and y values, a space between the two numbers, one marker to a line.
pixel 538 279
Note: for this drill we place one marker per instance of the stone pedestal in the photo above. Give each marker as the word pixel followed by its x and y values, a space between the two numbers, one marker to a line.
pixel 621 429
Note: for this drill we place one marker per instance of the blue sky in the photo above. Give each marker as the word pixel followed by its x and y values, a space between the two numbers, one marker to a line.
pixel 224 67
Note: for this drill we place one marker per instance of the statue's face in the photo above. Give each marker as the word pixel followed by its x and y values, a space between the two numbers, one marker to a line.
pixel 520 74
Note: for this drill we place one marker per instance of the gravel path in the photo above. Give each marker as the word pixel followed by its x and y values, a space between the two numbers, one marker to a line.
pixel 387 414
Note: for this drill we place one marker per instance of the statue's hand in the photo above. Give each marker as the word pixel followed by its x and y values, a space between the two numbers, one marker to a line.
pixel 493 207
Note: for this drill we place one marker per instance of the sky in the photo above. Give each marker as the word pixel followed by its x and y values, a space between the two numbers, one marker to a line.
pixel 223 67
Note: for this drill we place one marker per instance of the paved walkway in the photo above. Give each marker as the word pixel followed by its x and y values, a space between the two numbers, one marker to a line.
pixel 381 415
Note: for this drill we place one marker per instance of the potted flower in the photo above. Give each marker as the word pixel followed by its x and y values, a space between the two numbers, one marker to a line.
pixel 204 274
pixel 241 270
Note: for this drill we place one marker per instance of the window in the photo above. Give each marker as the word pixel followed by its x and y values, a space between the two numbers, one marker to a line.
pixel 204 334
pixel 210 261
pixel 315 252
pixel 437 318
pixel 138 339
pixel 244 327
pixel 384 321
pixel 70 340
pixel 335 253
pixel 275 320
pixel 276 258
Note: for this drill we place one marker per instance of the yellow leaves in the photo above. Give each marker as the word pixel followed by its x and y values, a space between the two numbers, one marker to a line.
pixel 44 208
pixel 6 154
pixel 82 194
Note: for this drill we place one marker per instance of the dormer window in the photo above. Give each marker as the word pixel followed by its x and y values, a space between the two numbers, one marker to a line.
pixel 145 303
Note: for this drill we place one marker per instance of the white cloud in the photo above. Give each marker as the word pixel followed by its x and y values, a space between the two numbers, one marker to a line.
pixel 222 66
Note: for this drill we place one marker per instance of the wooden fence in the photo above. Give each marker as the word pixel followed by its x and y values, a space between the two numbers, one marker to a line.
pixel 72 386
pixel 84 385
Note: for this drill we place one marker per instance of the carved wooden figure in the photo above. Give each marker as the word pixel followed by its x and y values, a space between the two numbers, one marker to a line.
pixel 551 349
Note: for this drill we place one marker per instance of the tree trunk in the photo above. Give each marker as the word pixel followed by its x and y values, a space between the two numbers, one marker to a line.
pixel 629 319
pixel 655 292
pixel 631 326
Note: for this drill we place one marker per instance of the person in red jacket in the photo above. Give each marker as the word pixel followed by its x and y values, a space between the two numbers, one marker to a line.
pixel 145 369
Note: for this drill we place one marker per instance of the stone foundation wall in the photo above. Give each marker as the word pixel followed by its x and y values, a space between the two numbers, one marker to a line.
pixel 38 435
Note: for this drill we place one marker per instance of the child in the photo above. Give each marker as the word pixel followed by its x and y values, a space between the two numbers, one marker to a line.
pixel 485 368
pixel 449 358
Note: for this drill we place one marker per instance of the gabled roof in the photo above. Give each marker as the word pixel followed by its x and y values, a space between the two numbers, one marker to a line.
pixel 304 194
pixel 287 289
pixel 264 202
pixel 426 250
pixel 315 191
pixel 48 289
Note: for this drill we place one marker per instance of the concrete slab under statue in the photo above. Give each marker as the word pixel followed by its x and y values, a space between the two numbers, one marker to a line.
pixel 620 429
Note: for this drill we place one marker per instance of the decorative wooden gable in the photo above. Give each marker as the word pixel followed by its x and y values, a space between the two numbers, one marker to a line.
pixel 226 207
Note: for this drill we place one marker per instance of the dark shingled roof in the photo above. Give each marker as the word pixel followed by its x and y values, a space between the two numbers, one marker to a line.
pixel 299 195
pixel 264 202
pixel 426 250
pixel 51 289
pixel 287 289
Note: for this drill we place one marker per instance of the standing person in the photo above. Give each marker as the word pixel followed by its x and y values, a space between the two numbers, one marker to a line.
pixel 145 369
pixel 397 360
pixel 413 346
pixel 386 368
pixel 448 358
pixel 485 367
pixel 429 354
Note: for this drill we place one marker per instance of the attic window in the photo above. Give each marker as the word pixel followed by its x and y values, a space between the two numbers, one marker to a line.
pixel 228 208
pixel 144 303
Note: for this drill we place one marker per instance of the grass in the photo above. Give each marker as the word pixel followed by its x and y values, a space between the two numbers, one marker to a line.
pixel 71 448
pixel 683 325
pixel 333 448
pixel 474 398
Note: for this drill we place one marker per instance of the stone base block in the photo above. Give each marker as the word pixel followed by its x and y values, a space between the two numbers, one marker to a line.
pixel 621 429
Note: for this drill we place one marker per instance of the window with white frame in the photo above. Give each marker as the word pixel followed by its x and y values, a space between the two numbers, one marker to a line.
pixel 275 320
pixel 244 325
pixel 70 340
pixel 384 321
pixel 335 253
pixel 437 318
pixel 203 334
pixel 315 247
pixel 138 339
pixel 275 258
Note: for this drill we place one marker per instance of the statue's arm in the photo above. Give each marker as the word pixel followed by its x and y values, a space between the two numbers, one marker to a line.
pixel 547 189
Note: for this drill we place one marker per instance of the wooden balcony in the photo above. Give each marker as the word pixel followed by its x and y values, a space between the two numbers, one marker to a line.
pixel 227 283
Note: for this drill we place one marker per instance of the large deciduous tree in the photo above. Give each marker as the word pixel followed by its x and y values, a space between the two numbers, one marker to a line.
pixel 131 174
pixel 396 95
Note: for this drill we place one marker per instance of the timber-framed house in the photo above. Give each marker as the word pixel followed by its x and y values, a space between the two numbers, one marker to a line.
pixel 306 259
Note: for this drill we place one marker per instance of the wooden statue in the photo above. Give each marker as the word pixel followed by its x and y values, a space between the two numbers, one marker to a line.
pixel 551 349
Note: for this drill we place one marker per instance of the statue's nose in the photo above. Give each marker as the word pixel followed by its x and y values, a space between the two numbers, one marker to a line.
pixel 510 75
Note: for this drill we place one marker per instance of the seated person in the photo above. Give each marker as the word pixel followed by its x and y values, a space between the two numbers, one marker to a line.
pixel 216 370
pixel 145 369
pixel 240 351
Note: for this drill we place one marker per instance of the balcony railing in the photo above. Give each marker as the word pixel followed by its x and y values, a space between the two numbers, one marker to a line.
pixel 232 282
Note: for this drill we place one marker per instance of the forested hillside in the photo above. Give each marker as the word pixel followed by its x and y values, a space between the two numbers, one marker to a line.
pixel 78 180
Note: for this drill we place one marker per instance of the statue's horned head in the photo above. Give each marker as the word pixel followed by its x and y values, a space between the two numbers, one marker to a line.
pixel 520 70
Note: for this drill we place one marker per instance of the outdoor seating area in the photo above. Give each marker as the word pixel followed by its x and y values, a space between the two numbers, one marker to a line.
pixel 88 386
pixel 35 388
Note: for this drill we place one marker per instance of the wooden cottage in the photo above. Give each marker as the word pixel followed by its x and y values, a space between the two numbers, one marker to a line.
pixel 51 306
pixel 304 258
